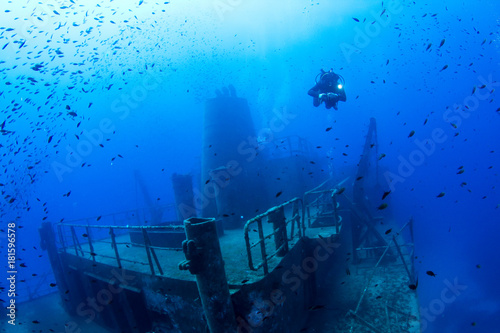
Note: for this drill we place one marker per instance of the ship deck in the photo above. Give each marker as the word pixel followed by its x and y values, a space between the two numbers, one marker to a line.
pixel 233 250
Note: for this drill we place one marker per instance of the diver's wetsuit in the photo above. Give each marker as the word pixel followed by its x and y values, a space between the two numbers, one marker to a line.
pixel 329 83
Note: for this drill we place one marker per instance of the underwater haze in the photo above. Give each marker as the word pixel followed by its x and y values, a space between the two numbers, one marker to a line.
pixel 94 92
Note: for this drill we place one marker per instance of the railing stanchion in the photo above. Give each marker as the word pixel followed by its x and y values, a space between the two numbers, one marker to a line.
pixel 113 244
pixel 262 246
pixel 89 237
pixel 146 245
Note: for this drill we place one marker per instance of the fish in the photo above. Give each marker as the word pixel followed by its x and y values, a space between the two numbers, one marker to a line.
pixel 382 206
pixel 460 171
pixel 37 67
pixel 412 133
pixel 278 194
pixel 85 235
pixel 381 156
pixel 52 285
pixel 440 195
pixel 98 218
pixel 442 42
pixel 341 190
pixel 50 138
pixel 388 231
pixel 359 178
pixel 355 19
pixel 413 286
pixel 328 129
pixel 428 46
pixel 444 67
pixel 72 114
pixel 431 273
pixel 385 194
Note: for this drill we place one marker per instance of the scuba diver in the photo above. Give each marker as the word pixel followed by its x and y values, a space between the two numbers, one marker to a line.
pixel 329 89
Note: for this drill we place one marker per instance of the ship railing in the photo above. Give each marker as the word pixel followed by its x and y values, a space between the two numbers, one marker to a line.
pixel 79 239
pixel 289 215
pixel 321 203
pixel 133 217
pixel 412 282
pixel 139 216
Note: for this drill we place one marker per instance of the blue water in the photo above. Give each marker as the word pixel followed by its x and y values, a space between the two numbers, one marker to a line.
pixel 147 68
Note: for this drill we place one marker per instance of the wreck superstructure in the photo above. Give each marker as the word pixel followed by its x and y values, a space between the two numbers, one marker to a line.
pixel 254 256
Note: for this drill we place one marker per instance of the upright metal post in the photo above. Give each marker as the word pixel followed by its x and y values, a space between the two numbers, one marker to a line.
pixel 146 245
pixel 335 211
pixel 113 244
pixel 48 243
pixel 262 242
pixel 89 237
pixel 277 218
pixel 204 259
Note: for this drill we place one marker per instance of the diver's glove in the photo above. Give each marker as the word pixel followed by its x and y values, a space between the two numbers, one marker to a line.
pixel 333 96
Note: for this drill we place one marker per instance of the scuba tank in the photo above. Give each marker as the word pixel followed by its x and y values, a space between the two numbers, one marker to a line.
pixel 323 73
